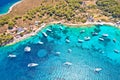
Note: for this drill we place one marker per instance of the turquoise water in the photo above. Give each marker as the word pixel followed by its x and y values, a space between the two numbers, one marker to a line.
pixel 85 57
pixel 5 5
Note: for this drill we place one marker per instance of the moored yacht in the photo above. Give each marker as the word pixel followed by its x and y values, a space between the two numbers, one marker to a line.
pixel 82 31
pixel 40 42
pixel 114 40
pixel 101 39
pixel 94 33
pixel 32 64
pixel 44 34
pixel 80 41
pixel 98 69
pixel 87 38
pixel 67 40
pixel 69 50
pixel 61 28
pixel 57 53
pixel 68 63
pixel 116 51
pixel 105 35
pixel 12 55
pixel 27 49
pixel 49 30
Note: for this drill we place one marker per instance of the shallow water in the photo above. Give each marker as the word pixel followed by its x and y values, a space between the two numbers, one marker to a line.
pixel 85 57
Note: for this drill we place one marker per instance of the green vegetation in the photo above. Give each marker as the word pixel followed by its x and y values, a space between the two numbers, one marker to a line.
pixel 4 20
pixel 5 38
pixel 110 7
pixel 64 9
pixel 61 10
pixel 68 10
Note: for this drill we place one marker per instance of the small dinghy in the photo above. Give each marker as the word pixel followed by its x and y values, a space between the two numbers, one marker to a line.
pixel 105 35
pixel 68 63
pixel 114 40
pixel 32 64
pixel 101 39
pixel 82 31
pixel 44 34
pixel 27 49
pixel 69 50
pixel 12 55
pixel 116 51
pixel 87 38
pixel 98 69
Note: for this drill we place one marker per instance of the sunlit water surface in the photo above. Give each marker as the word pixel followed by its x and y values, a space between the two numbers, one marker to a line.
pixel 85 57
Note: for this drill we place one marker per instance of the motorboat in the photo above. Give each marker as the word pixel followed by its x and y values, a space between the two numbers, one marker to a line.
pixel 101 39
pixel 32 64
pixel 114 40
pixel 44 34
pixel 68 63
pixel 61 28
pixel 67 40
pixel 49 30
pixel 105 35
pixel 80 41
pixel 116 51
pixel 82 31
pixel 40 42
pixel 69 50
pixel 98 69
pixel 12 55
pixel 87 38
pixel 57 53
pixel 94 33
pixel 27 49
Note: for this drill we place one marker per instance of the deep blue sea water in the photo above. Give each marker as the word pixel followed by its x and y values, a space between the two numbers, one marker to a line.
pixel 85 57
pixel 5 5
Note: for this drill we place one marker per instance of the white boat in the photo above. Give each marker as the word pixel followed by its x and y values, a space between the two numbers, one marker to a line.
pixel 87 38
pixel 69 50
pixel 67 40
pixel 68 63
pixel 94 33
pixel 105 35
pixel 114 40
pixel 101 51
pixel 44 34
pixel 27 49
pixel 49 30
pixel 32 64
pixel 57 53
pixel 80 41
pixel 82 31
pixel 101 39
pixel 40 42
pixel 12 55
pixel 61 28
pixel 98 69
pixel 116 51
